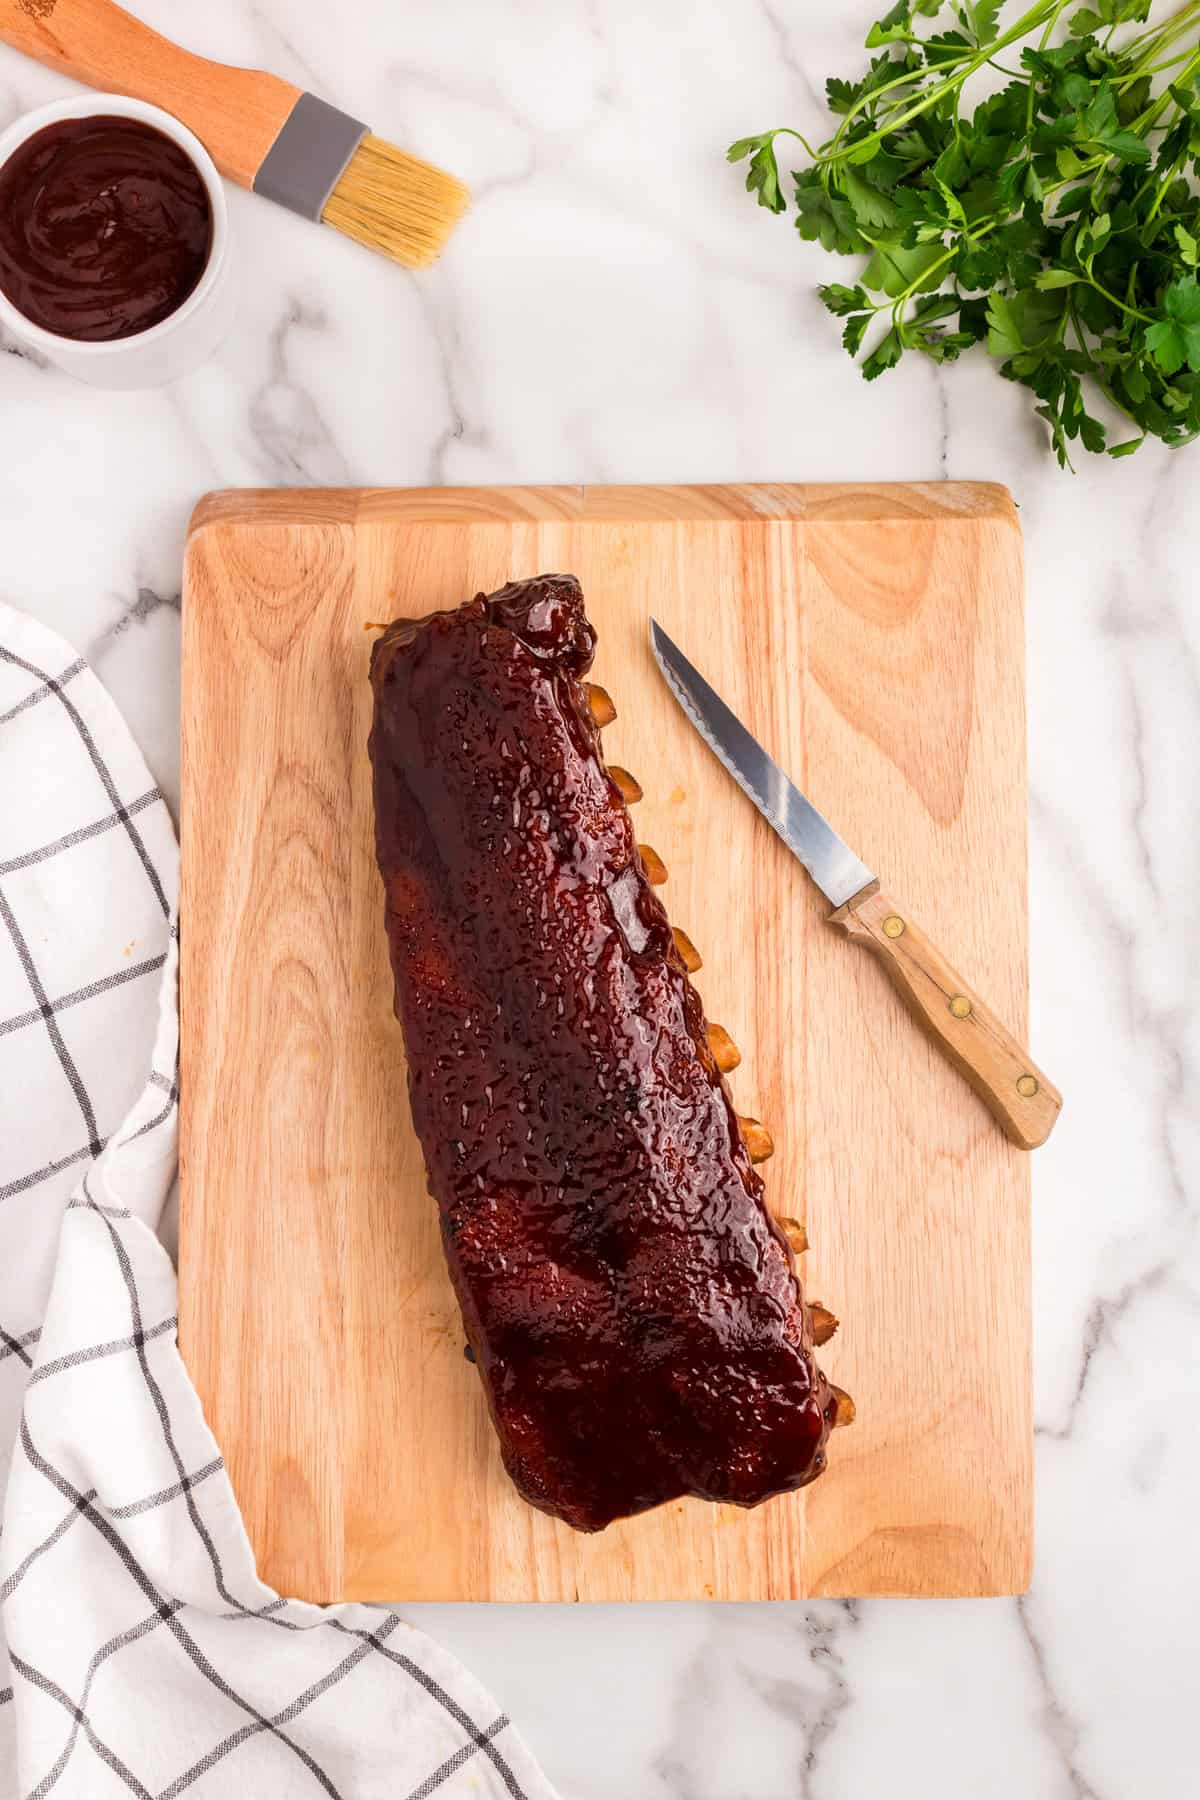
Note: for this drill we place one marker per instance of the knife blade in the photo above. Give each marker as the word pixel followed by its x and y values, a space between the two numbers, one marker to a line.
pixel 1021 1098
pixel 832 864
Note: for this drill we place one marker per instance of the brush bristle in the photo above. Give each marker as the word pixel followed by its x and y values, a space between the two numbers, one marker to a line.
pixel 396 203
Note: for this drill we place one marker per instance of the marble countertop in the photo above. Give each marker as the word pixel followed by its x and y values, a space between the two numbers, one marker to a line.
pixel 615 309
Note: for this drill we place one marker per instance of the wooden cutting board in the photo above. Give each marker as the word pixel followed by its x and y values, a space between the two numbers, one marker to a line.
pixel 872 637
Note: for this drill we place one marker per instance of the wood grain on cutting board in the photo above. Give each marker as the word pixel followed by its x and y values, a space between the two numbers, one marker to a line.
pixel 873 639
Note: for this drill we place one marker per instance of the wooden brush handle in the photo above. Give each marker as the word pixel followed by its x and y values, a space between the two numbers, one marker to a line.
pixel 236 113
pixel 1000 1071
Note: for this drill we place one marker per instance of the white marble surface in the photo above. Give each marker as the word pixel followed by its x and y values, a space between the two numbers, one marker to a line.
pixel 616 309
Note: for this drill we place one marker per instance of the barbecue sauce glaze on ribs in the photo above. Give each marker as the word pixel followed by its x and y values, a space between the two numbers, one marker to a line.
pixel 633 1311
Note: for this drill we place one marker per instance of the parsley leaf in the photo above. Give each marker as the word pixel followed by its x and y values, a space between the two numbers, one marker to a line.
pixel 826 218
pixel 1175 340
pixel 984 18
pixel 1022 322
pixel 896 271
pixel 842 300
pixel 886 355
pixel 871 207
pixel 896 26
pixel 762 177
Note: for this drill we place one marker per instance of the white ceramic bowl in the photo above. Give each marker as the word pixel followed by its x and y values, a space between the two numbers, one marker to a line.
pixel 176 344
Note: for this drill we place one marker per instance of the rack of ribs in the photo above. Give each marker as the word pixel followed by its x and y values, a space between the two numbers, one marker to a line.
pixel 633 1309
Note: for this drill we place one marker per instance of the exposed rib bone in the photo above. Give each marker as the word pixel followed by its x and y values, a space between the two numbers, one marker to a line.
pixel 758 1140
pixel 795 1234
pixel 846 1408
pixel 687 950
pixel 599 704
pixel 824 1324
pixel 656 868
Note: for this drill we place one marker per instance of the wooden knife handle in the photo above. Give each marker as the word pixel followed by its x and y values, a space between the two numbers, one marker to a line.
pixel 1000 1071
pixel 236 113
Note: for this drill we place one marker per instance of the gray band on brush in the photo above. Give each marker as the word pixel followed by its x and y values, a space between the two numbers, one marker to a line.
pixel 309 157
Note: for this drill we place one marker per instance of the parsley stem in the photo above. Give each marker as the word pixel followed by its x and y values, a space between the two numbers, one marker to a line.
pixel 1047 12
pixel 1170 62
pixel 904 114
pixel 1161 35
pixel 1164 186
pixel 1113 301
pixel 1145 120
pixel 1059 10
pixel 1104 383
pixel 787 131
pixel 1046 36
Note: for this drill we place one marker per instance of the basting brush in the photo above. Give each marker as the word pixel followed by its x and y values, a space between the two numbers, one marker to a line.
pixel 262 132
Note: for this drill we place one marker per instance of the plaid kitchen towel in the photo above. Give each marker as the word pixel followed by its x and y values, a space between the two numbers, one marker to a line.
pixel 140 1653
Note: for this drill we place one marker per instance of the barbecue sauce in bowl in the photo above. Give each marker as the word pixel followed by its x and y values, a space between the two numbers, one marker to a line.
pixel 105 228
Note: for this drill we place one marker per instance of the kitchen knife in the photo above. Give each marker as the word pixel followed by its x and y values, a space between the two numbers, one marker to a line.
pixel 970 1034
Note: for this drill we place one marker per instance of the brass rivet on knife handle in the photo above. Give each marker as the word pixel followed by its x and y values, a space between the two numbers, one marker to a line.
pixel 846 1408
pixel 757 1139
pixel 688 952
pixel 824 1323
pixel 725 1052
pixel 652 862
pixel 600 705
pixel 968 1032
pixel 629 789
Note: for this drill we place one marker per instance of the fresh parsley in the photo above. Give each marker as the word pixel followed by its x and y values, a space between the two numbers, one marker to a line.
pixel 1056 220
